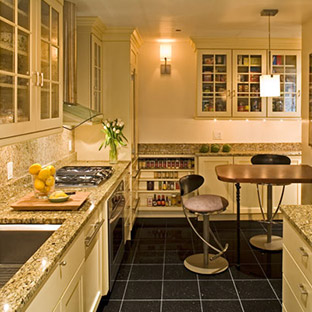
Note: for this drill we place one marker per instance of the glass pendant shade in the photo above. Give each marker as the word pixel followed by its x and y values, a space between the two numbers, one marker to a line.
pixel 270 85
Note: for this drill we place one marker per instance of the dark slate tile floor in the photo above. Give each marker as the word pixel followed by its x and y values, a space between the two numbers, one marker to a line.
pixel 152 276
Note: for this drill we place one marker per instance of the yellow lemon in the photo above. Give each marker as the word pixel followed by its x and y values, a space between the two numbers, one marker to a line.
pixel 52 169
pixel 39 185
pixel 47 189
pixel 58 194
pixel 44 174
pixel 49 181
pixel 34 169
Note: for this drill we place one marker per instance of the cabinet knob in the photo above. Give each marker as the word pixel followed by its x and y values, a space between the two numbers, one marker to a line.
pixel 303 291
pixel 63 263
pixel 303 252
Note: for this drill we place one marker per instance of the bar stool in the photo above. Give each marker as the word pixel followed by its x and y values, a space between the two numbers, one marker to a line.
pixel 204 205
pixel 269 242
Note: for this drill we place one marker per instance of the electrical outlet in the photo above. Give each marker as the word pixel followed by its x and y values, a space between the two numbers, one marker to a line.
pixel 70 145
pixel 217 135
pixel 10 170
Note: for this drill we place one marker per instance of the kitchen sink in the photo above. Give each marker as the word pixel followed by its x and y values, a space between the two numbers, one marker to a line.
pixel 18 242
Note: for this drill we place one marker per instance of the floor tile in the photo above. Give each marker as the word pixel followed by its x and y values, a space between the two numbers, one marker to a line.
pixel 153 257
pixel 217 290
pixel 140 306
pixel 128 257
pixel 247 271
pixel 261 305
pixel 143 290
pixel 180 290
pixel 222 306
pixel 146 272
pixel 277 286
pixel 254 290
pixel 246 256
pixel 150 245
pixel 179 245
pixel 123 273
pixel 178 272
pixel 152 233
pixel 181 306
pixel 118 290
pixel 112 306
pixel 177 256
pixel 272 270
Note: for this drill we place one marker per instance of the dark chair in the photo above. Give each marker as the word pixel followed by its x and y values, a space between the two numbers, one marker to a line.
pixel 203 205
pixel 270 159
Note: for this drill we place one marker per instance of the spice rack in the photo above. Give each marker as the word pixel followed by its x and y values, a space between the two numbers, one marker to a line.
pixel 158 183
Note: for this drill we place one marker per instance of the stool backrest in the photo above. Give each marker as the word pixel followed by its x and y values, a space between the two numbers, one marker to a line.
pixel 270 159
pixel 190 183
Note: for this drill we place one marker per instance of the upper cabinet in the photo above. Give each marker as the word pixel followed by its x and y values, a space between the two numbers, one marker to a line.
pixel 90 32
pixel 30 66
pixel 288 65
pixel 229 83
pixel 214 87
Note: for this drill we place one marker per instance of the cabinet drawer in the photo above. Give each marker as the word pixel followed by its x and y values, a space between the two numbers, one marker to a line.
pixel 290 303
pixel 56 284
pixel 299 285
pixel 299 249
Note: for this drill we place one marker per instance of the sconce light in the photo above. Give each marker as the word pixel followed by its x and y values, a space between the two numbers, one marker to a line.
pixel 269 84
pixel 165 56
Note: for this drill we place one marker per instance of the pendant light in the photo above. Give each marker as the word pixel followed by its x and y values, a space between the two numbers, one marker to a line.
pixel 269 84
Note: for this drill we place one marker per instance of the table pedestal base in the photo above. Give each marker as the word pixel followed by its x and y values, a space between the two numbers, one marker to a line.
pixel 261 242
pixel 195 263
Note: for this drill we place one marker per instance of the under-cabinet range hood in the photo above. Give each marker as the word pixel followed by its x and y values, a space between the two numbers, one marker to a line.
pixel 74 114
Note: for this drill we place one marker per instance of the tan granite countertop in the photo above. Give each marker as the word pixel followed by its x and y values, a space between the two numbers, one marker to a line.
pixel 250 153
pixel 300 216
pixel 27 281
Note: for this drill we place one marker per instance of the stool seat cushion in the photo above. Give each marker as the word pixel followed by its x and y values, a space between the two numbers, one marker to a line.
pixel 206 203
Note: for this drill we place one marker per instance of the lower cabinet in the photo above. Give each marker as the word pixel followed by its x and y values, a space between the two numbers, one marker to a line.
pixel 206 168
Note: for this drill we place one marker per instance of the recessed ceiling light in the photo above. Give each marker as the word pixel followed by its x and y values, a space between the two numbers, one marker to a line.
pixel 178 29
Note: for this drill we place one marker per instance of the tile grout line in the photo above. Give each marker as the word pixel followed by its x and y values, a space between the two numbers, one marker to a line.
pixel 163 272
pixel 236 290
pixel 197 278
pixel 124 293
pixel 263 271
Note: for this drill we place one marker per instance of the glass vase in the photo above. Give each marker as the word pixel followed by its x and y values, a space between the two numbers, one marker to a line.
pixel 113 153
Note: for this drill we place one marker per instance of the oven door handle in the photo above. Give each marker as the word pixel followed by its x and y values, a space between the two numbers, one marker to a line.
pixel 116 215
pixel 90 238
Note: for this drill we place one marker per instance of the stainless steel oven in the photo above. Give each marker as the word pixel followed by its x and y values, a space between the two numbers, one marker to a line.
pixel 115 205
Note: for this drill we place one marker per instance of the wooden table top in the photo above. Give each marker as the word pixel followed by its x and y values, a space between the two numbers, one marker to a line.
pixel 267 174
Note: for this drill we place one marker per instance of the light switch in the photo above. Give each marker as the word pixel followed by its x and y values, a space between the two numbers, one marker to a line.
pixel 10 170
pixel 217 135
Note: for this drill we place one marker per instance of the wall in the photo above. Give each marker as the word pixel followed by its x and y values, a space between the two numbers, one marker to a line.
pixel 306 149
pixel 167 106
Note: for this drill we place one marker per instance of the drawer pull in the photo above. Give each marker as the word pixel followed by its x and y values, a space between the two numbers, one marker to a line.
pixel 63 263
pixel 303 252
pixel 303 291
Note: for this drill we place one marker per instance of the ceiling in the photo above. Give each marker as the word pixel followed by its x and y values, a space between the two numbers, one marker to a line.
pixel 157 19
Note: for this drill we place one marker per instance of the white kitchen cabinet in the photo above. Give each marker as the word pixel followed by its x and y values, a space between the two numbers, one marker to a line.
pixel 63 281
pixel 206 168
pixel 90 62
pixel 214 83
pixel 297 270
pixel 288 65
pixel 30 67
pixel 248 66
pixel 93 263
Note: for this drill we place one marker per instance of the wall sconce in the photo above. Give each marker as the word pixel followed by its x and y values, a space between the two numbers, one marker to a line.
pixel 165 56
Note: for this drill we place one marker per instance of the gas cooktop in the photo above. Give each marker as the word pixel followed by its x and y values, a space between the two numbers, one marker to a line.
pixel 82 176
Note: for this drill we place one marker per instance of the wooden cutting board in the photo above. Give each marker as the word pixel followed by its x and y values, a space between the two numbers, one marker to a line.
pixel 30 202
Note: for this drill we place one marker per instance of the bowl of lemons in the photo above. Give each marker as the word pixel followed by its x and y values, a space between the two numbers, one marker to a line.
pixel 58 197
pixel 43 180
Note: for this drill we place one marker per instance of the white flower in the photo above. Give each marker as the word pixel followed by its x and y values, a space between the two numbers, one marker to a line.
pixel 105 121
pixel 117 131
pixel 108 125
pixel 114 129
pixel 114 123
pixel 121 124
pixel 105 127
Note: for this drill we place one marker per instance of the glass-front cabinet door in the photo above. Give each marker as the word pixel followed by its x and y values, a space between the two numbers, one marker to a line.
pixel 49 73
pixel 248 66
pixel 214 83
pixel 16 112
pixel 96 80
pixel 288 65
